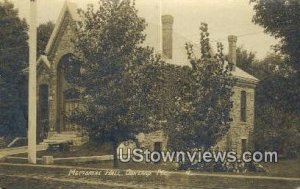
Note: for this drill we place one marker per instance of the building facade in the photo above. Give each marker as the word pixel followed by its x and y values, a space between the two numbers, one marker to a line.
pixel 56 98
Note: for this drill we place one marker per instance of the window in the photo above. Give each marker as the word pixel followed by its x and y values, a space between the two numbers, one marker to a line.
pixel 243 106
pixel 43 101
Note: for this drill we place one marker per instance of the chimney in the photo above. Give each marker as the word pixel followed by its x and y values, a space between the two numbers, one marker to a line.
pixel 167 36
pixel 232 39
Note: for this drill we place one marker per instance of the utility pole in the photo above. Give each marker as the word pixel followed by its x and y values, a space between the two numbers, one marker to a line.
pixel 32 118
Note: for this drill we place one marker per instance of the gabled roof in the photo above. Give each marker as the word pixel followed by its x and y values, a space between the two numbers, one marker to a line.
pixel 237 72
pixel 43 60
pixel 70 8
pixel 241 74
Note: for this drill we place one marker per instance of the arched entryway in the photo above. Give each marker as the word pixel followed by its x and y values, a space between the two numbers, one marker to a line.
pixel 68 69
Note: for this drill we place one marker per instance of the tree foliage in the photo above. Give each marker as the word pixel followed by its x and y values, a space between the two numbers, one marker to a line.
pixel 245 60
pixel 207 113
pixel 109 47
pixel 280 85
pixel 280 18
pixel 44 32
pixel 13 59
pixel 276 107
pixel 276 114
pixel 126 89
pixel 272 64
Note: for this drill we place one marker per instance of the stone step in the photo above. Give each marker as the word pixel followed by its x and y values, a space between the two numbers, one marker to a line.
pixel 75 137
pixel 58 137
pixel 63 134
pixel 71 134
pixel 62 137
pixel 76 141
pixel 57 140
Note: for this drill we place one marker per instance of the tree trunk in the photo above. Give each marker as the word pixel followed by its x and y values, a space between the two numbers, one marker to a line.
pixel 115 154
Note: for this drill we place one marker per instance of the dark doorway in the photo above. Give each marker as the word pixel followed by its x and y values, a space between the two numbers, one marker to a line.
pixel 157 147
pixel 244 145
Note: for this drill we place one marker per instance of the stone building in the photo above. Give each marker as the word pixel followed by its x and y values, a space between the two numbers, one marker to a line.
pixel 57 98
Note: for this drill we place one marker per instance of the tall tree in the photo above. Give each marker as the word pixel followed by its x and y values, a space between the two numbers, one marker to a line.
pixel 277 115
pixel 280 18
pixel 13 59
pixel 109 42
pixel 44 32
pixel 210 98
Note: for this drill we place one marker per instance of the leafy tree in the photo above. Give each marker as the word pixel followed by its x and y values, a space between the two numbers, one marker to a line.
pixel 276 123
pixel 245 60
pixel 211 89
pixel 280 18
pixel 272 64
pixel 109 47
pixel 13 59
pixel 43 35
pixel 276 119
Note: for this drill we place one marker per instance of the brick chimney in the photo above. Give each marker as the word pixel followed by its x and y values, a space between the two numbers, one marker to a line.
pixel 232 39
pixel 167 36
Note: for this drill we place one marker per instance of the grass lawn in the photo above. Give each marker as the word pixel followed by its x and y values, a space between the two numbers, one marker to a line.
pixel 283 168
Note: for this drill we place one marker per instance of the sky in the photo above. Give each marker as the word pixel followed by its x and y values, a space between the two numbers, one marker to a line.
pixel 224 17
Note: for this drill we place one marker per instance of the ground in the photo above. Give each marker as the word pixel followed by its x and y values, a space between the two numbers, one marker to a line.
pixel 284 174
pixel 28 176
pixel 284 167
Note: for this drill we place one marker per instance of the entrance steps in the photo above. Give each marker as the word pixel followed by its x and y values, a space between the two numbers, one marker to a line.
pixel 75 138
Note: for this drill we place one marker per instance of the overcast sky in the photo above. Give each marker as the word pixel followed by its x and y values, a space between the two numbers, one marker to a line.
pixel 224 17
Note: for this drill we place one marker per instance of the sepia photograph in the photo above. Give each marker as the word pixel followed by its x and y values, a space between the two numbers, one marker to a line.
pixel 162 94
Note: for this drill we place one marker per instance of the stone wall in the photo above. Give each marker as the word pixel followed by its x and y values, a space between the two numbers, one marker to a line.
pixel 232 141
pixel 148 140
pixel 62 46
pixel 238 129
